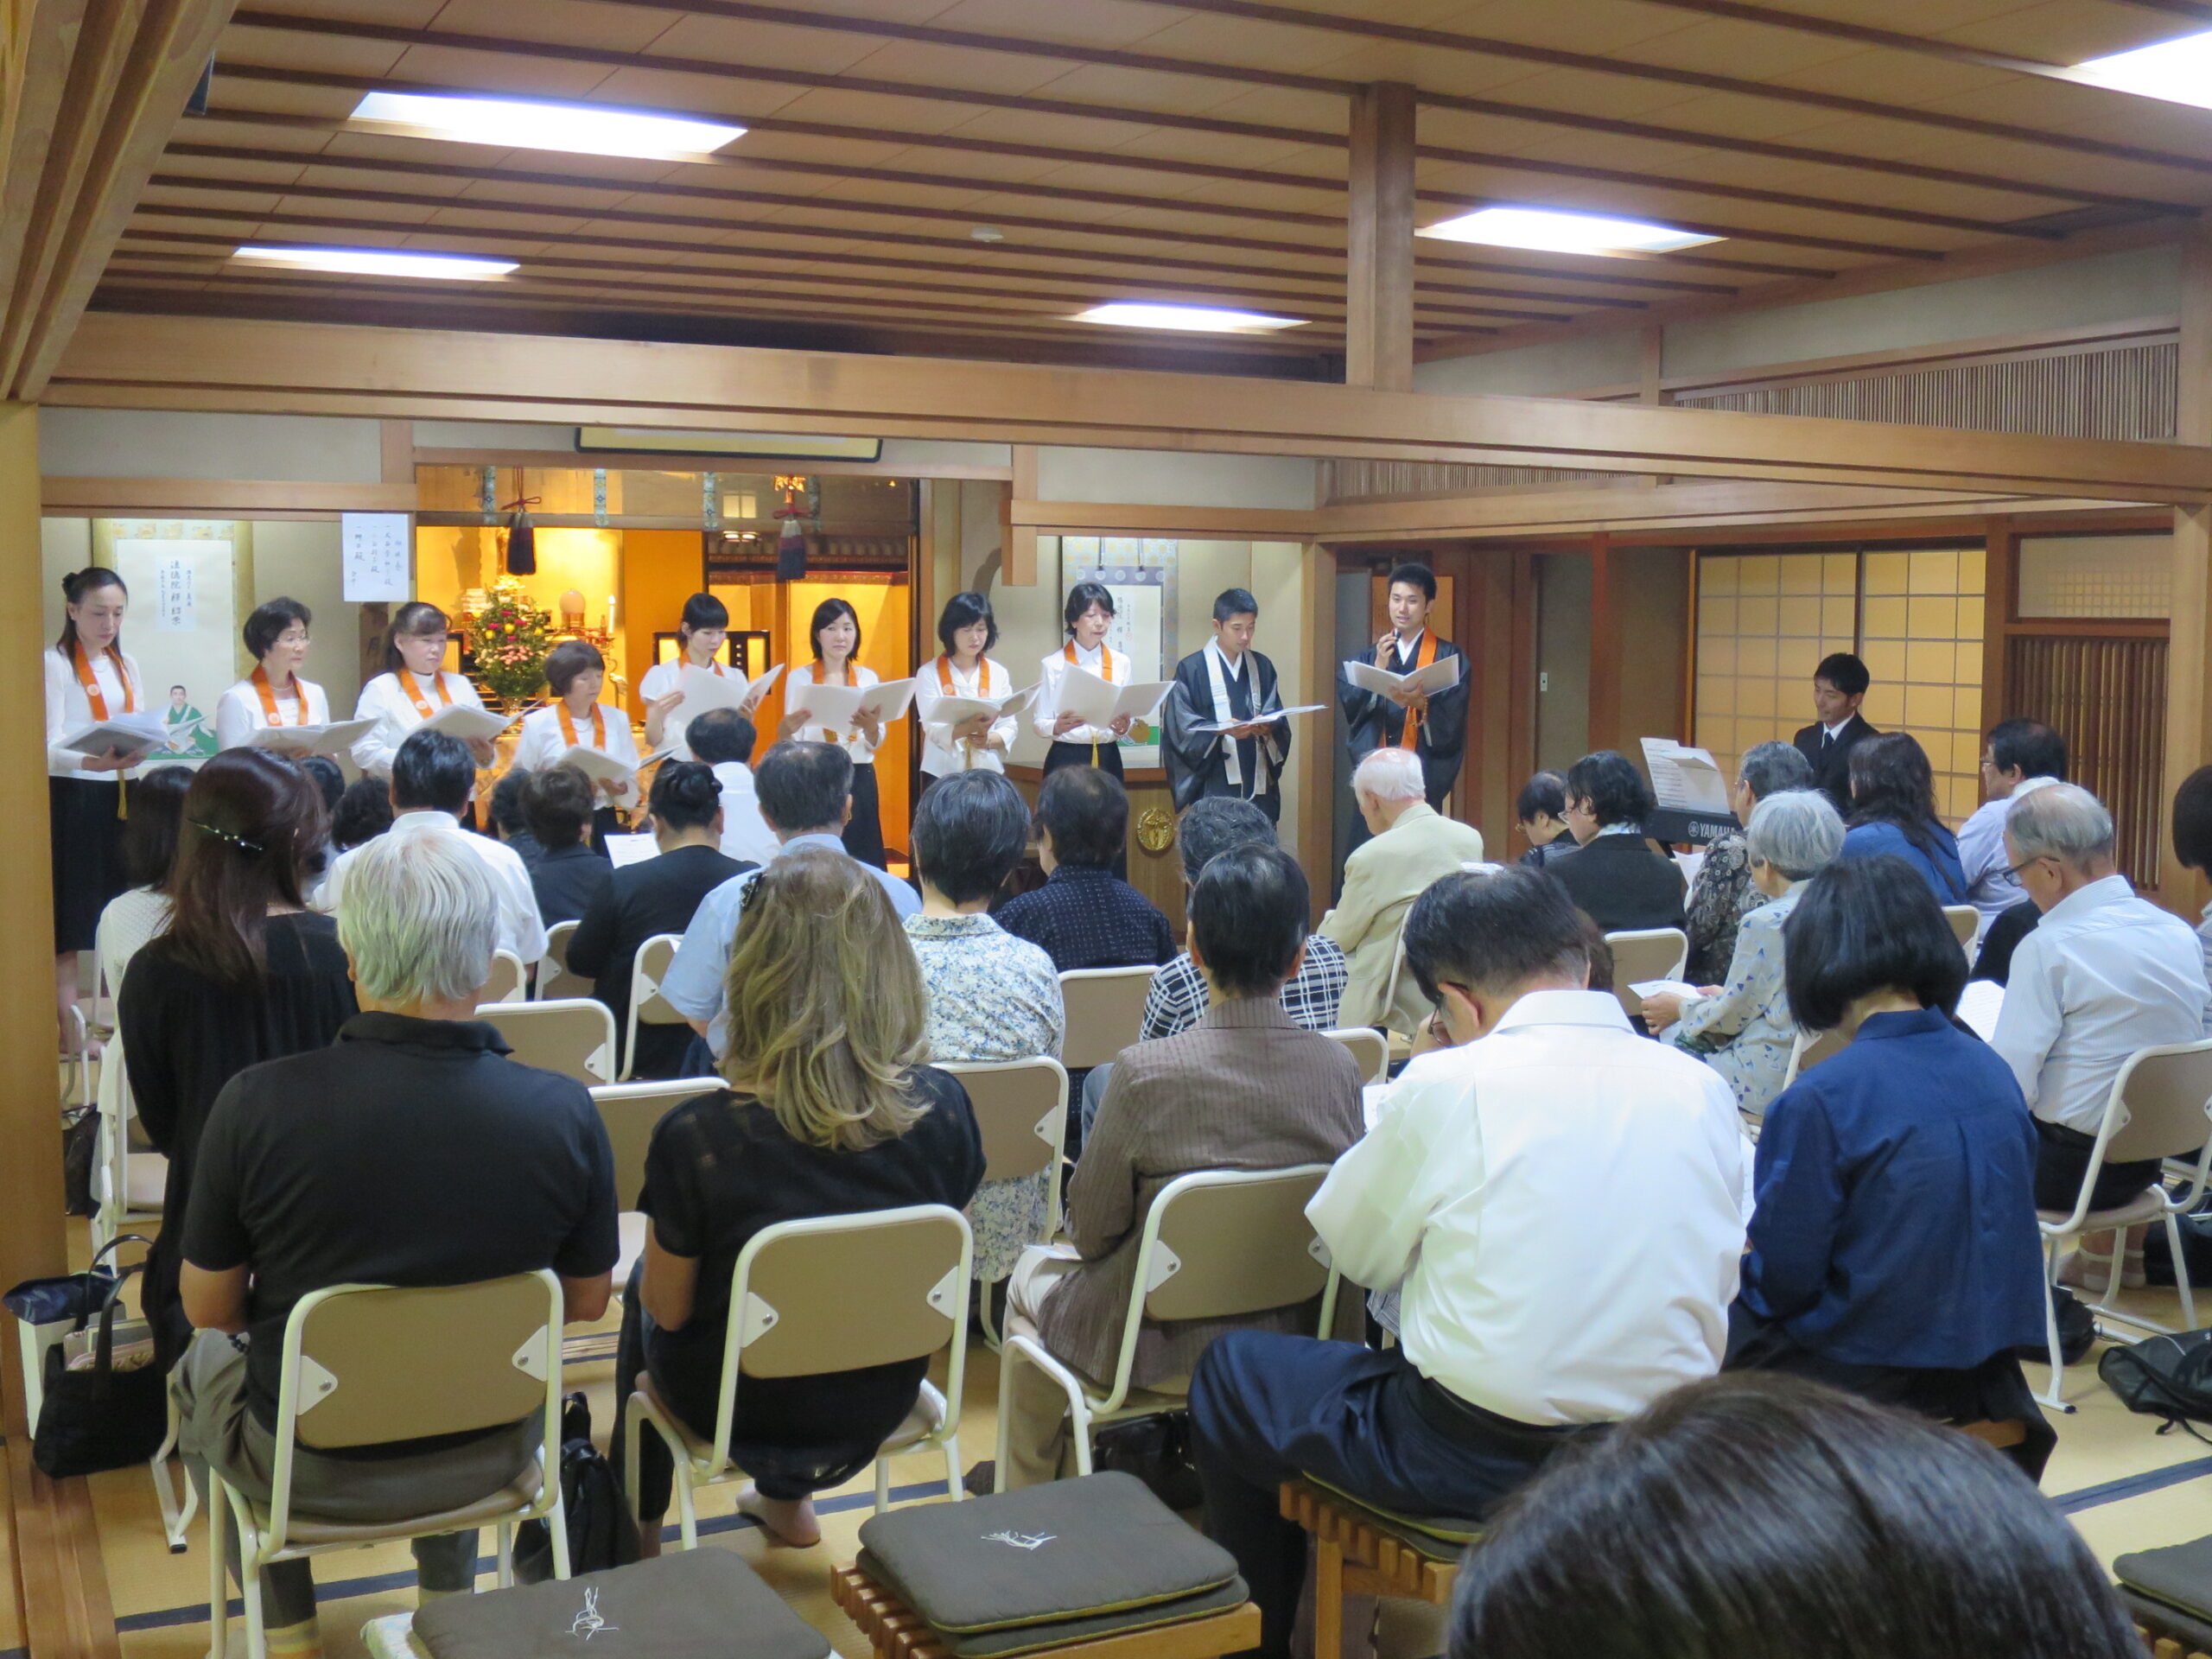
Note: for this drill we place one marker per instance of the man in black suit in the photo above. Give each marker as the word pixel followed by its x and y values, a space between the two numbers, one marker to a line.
pixel 1839 687
pixel 1440 723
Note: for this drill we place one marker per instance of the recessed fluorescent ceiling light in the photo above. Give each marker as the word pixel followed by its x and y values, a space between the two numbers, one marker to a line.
pixel 582 128
pixel 2180 71
pixel 380 262
pixel 1551 231
pixel 1199 319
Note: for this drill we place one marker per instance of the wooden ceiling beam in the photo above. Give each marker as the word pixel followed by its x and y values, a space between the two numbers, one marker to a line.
pixel 163 363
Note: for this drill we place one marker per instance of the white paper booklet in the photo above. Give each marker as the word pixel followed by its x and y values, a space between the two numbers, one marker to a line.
pixel 1685 779
pixel 834 706
pixel 1979 1004
pixel 625 850
pixel 704 690
pixel 1099 702
pixel 598 766
pixel 1267 715
pixel 1439 675
pixel 122 734
pixel 1682 989
pixel 938 709
pixel 332 738
pixel 469 725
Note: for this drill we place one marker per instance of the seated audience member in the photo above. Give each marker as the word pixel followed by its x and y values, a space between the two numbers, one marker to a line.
pixel 433 781
pixel 655 896
pixel 329 780
pixel 364 813
pixel 806 795
pixel 1893 811
pixel 2104 974
pixel 1539 814
pixel 1085 916
pixel 2192 839
pixel 1617 878
pixel 1412 844
pixel 1475 1193
pixel 1723 894
pixel 558 804
pixel 723 738
pixel 1840 685
pixel 1743 1030
pixel 149 843
pixel 2020 757
pixel 830 1110
pixel 1893 1247
pixel 1244 1089
pixel 509 821
pixel 411 1153
pixel 1993 961
pixel 990 995
pixel 1799 1522
pixel 241 974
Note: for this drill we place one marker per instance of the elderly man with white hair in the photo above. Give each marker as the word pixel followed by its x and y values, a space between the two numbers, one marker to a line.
pixel 1412 846
pixel 1743 1030
pixel 2104 974
pixel 411 1152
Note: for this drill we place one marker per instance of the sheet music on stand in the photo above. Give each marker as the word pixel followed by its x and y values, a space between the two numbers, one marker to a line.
pixel 1692 794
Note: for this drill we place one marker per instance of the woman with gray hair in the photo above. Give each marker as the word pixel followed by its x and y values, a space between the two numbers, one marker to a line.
pixel 1724 894
pixel 1744 1029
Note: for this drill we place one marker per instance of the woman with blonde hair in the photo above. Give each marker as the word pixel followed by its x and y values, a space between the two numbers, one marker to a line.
pixel 827 1111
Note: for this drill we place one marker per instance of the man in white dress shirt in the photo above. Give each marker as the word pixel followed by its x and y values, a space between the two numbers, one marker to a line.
pixel 433 781
pixel 2020 757
pixel 2104 974
pixel 724 738
pixel 1561 1206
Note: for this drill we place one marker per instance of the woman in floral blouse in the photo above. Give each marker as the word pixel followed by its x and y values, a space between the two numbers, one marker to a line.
pixel 991 996
pixel 1743 1030
pixel 1724 894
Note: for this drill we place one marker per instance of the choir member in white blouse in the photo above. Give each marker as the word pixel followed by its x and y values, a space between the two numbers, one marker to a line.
pixel 966 630
pixel 577 718
pixel 88 678
pixel 275 694
pixel 1089 613
pixel 835 634
pixel 700 634
pixel 414 686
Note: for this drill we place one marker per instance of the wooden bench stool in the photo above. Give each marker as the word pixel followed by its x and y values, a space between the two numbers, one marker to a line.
pixel 895 1632
pixel 1362 1552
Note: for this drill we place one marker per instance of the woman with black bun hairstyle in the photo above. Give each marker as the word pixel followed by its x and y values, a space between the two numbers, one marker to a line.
pixel 1088 614
pixel 88 678
pixel 701 633
pixel 655 895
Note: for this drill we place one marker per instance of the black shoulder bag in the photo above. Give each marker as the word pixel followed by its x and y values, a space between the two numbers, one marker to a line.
pixel 101 1418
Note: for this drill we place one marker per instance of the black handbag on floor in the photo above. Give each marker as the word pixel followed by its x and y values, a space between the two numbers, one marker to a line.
pixel 2167 1376
pixel 602 1534
pixel 100 1418
pixel 80 1140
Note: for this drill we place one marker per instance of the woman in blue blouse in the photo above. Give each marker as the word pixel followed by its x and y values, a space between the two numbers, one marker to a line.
pixel 1893 811
pixel 1894 1250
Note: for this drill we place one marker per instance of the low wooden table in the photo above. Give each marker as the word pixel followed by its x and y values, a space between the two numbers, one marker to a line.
pixel 896 1631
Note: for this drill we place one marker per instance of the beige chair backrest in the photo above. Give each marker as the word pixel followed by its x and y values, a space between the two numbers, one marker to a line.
pixel 839 1292
pixel 1809 1051
pixel 1105 1012
pixel 1966 922
pixel 647 1004
pixel 631 1112
pixel 2164 1091
pixel 1370 1050
pixel 1238 1242
pixel 509 982
pixel 555 982
pixel 1021 1106
pixel 380 1364
pixel 574 1036
pixel 1643 954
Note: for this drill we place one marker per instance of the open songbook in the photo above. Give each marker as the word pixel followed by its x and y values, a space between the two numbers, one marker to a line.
pixel 704 690
pixel 599 766
pixel 1439 675
pixel 1685 779
pixel 469 725
pixel 941 710
pixel 1265 717
pixel 333 738
pixel 1098 702
pixel 123 734
pixel 834 706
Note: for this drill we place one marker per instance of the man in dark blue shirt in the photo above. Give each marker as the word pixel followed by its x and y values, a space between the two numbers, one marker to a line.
pixel 1085 916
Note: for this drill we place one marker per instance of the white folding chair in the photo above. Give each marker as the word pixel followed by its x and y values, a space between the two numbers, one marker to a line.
pixel 1021 1107
pixel 555 982
pixel 1218 1243
pixel 832 1293
pixel 1105 1012
pixel 631 1111
pixel 510 980
pixel 1643 954
pixel 647 1006
pixel 1370 1050
pixel 574 1036
pixel 2160 1107
pixel 369 1365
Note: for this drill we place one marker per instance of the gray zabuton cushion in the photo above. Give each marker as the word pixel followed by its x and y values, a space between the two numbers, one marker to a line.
pixel 694 1602
pixel 1059 1633
pixel 1102 1544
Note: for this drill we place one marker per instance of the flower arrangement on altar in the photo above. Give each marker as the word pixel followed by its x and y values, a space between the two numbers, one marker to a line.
pixel 512 642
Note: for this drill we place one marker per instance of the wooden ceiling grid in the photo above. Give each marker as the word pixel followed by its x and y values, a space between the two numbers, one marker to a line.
pixel 1159 149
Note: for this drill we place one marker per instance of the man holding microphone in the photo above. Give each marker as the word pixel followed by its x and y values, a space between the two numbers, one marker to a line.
pixel 1433 728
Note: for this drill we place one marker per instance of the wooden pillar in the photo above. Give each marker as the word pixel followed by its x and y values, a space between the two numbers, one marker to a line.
pixel 1605 720
pixel 1379 226
pixel 1488 783
pixel 1017 550
pixel 1313 836
pixel 2188 686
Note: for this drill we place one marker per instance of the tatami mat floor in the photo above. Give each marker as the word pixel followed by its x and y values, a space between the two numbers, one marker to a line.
pixel 2125 1485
